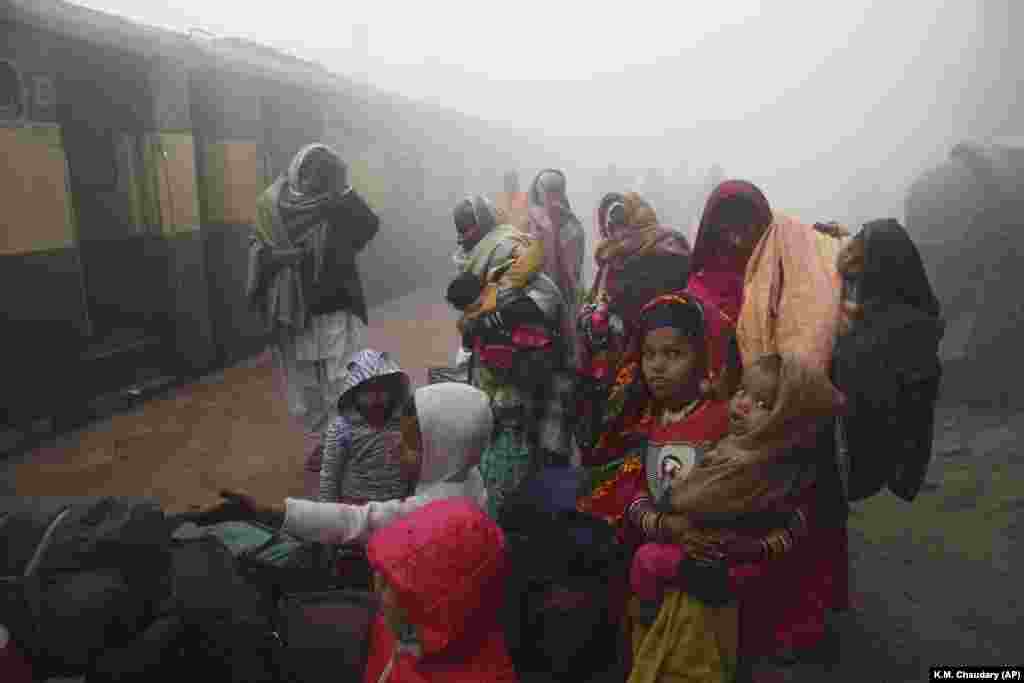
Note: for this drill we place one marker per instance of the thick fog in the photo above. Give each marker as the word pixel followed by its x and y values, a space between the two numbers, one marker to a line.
pixel 832 108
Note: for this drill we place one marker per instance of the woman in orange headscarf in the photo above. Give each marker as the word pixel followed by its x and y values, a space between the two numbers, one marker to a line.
pixel 637 260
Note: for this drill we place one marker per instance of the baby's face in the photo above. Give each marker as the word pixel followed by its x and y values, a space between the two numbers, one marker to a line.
pixel 753 401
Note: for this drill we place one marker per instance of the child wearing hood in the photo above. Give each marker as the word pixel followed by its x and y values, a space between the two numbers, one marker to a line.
pixel 440 572
pixel 445 428
pixel 361 446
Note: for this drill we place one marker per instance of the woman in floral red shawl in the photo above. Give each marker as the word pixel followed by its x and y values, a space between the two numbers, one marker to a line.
pixel 637 259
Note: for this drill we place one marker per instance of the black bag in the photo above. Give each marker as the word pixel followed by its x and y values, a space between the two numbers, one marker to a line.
pixel 276 561
pixel 707 581
pixel 78 575
pixel 213 626
pixel 327 635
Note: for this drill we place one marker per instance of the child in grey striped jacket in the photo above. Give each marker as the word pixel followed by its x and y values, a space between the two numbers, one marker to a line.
pixel 360 455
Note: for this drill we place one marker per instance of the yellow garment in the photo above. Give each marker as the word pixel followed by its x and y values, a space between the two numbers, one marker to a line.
pixel 526 261
pixel 689 642
pixel 791 294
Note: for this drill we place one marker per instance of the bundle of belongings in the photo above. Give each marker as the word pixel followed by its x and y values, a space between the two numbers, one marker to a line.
pixel 562 562
pixel 112 589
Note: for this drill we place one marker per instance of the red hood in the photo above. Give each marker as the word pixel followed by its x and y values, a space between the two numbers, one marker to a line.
pixel 446 563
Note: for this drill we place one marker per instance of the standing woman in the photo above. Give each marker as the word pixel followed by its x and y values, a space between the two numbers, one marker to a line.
pixel 638 259
pixel 552 220
pixel 771 274
pixel 514 325
pixel 778 277
pixel 304 280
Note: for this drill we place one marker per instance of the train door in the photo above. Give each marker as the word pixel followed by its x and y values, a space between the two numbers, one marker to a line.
pixel 104 106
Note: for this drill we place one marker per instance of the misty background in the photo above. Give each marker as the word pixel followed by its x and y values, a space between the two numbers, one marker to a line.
pixel 833 109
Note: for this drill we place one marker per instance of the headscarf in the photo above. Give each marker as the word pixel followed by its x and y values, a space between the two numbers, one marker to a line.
pixel 638 235
pixel 754 472
pixel 717 273
pixel 629 401
pixel 455 424
pixel 890 353
pixel 476 210
pixel 791 294
pixel 893 269
pixel 290 222
pixel 300 210
pixel 496 240
pixel 563 243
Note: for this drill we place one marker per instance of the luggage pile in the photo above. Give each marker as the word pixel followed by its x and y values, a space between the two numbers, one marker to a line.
pixel 112 590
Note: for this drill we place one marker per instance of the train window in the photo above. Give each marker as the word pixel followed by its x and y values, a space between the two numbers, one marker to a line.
pixel 12 93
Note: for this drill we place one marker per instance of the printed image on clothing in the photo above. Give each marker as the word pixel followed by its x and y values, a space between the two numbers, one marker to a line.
pixel 667 462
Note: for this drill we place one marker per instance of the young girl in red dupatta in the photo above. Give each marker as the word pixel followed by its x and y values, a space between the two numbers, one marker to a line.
pixel 637 259
pixel 662 397
pixel 749 509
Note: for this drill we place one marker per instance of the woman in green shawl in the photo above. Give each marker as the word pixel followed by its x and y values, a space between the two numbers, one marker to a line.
pixel 304 281
pixel 513 325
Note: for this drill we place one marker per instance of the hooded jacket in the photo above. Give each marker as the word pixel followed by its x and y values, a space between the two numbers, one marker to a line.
pixel 455 424
pixel 359 458
pixel 446 564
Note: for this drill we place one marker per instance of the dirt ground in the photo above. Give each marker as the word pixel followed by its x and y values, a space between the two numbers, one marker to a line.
pixel 227 430
pixel 934 581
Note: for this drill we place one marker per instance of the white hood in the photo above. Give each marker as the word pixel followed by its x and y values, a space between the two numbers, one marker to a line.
pixel 455 424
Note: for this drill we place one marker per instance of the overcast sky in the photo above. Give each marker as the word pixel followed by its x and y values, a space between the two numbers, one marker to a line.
pixel 810 99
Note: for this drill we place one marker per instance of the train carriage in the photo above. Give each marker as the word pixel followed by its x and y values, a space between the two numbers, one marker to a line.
pixel 133 160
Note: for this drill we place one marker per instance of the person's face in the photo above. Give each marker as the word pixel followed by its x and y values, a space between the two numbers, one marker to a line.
pixel 671 364
pixel 753 401
pixel 410 455
pixel 374 400
pixel 742 237
pixel 553 202
pixel 851 271
pixel 314 174
pixel 468 236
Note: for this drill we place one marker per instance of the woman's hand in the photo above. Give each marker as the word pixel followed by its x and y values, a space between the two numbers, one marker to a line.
pixel 705 550
pixel 743 549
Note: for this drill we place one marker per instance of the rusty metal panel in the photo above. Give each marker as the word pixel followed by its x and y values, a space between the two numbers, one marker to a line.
pixel 33 189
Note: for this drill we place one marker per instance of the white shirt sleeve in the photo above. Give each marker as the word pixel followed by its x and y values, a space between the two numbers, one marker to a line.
pixel 337 523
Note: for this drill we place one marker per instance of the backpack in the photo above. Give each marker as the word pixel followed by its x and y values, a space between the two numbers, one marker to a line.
pixel 213 625
pixel 557 601
pixel 78 575
pixel 326 635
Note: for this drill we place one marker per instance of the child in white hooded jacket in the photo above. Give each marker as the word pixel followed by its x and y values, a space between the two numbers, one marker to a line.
pixel 445 429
